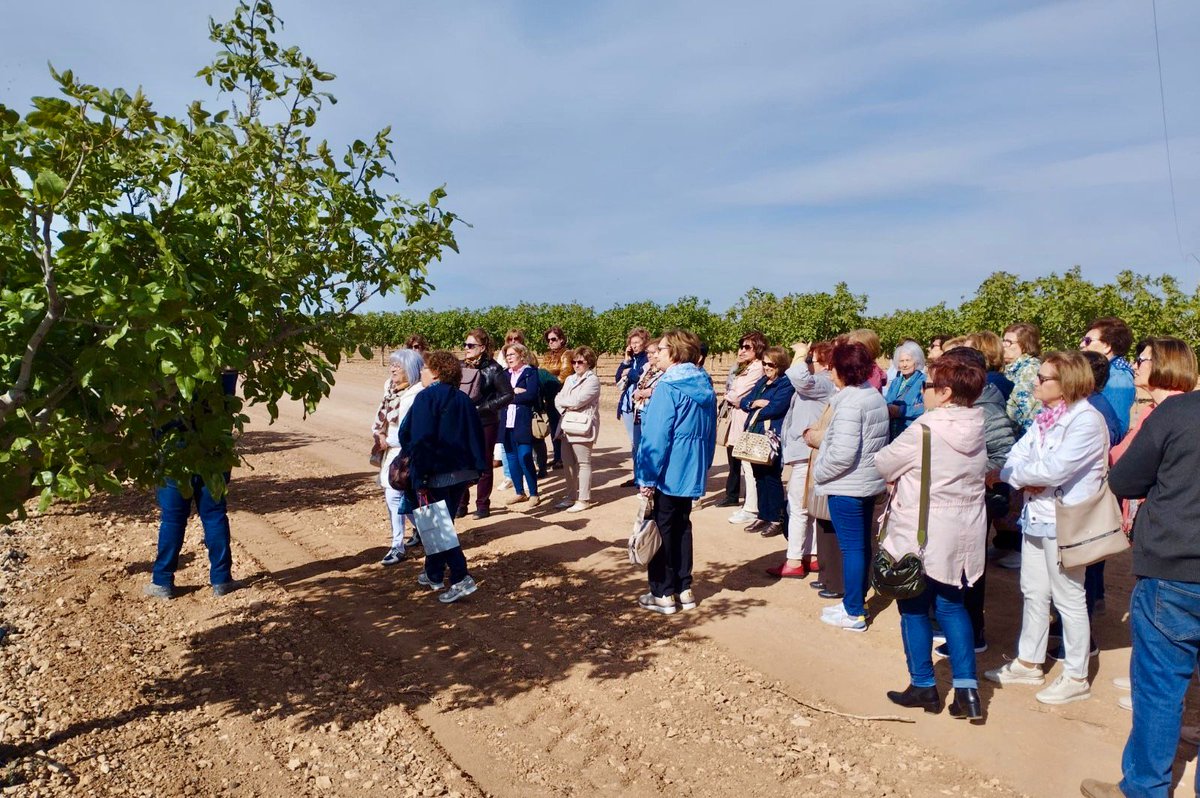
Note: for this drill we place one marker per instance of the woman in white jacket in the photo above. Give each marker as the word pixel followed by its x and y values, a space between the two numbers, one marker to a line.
pixel 1062 455
pixel 398 393
pixel 578 404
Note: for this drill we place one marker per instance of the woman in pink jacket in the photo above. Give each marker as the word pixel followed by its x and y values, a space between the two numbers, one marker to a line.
pixel 956 534
pixel 744 375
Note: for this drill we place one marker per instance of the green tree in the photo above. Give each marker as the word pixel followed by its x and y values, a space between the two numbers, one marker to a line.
pixel 141 254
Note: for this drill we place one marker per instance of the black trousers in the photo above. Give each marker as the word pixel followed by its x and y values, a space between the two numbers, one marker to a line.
pixel 733 480
pixel 670 569
pixel 829 554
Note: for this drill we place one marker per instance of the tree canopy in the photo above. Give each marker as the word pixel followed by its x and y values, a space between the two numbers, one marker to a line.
pixel 143 254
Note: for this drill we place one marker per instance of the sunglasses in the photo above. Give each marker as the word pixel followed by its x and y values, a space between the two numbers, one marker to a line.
pixel 579 362
pixel 746 346
pixel 469 345
pixel 1042 379
pixel 1086 340
pixel 1142 360
pixel 552 338
pixel 769 365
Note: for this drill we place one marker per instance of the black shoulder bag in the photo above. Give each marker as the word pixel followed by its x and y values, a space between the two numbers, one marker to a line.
pixel 905 578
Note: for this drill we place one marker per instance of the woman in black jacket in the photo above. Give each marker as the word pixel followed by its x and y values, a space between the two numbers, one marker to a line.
pixel 444 441
pixel 485 382
pixel 767 405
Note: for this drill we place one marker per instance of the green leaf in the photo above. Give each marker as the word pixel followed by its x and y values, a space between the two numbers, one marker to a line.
pixel 48 188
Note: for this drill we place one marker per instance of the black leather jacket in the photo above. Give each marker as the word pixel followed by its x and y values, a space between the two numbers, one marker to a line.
pixel 496 392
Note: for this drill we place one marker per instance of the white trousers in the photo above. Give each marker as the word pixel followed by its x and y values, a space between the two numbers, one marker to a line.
pixel 800 526
pixel 392 497
pixel 751 503
pixel 1042 580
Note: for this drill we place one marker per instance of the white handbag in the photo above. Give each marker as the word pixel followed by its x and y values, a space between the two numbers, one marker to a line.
pixel 436 527
pixel 756 447
pixel 575 422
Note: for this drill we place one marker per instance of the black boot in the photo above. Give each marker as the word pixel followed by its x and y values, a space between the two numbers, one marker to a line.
pixel 966 704
pixel 925 697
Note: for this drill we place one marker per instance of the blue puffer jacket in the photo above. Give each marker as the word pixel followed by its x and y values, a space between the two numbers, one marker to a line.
pixel 679 433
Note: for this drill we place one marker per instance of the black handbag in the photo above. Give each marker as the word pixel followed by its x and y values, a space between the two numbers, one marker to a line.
pixel 399 476
pixel 905 578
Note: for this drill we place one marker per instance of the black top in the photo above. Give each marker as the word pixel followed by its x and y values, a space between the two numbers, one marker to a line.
pixel 1162 465
pixel 441 434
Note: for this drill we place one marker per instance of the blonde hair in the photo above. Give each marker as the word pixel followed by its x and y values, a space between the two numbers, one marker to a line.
pixel 683 345
pixel 869 339
pixel 521 350
pixel 992 347
pixel 1075 377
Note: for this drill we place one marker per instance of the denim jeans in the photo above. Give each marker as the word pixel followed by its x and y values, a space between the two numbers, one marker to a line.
pixel 917 633
pixel 436 564
pixel 852 521
pixel 521 468
pixel 768 480
pixel 213 517
pixel 1164 618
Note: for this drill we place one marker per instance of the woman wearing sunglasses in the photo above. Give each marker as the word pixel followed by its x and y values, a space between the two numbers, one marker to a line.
pixel 579 405
pixel 486 384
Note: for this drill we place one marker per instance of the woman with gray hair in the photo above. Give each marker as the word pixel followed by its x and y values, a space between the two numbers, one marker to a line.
pixel 399 391
pixel 904 394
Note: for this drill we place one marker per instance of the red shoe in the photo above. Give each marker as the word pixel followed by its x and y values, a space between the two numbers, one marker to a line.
pixel 786 571
pixel 812 565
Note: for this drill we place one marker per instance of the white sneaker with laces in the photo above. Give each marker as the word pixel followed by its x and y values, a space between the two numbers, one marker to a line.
pixel 1064 690
pixel 506 484
pixel 687 600
pixel 425 581
pixel 458 590
pixel 849 623
pixel 1125 702
pixel 1015 673
pixel 832 610
pixel 664 605
pixel 742 517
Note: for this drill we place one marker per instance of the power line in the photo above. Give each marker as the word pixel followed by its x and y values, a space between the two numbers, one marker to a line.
pixel 1162 97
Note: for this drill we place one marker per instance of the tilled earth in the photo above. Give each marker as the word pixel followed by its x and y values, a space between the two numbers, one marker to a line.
pixel 328 675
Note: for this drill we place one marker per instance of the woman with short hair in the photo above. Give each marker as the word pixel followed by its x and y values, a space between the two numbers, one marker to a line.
pixel 556 360
pixel 905 394
pixel 517 430
pixel 745 373
pixel 956 530
pixel 766 406
pixel 1022 345
pixel 672 466
pixel 417 342
pixel 579 405
pixel 629 371
pixel 1063 458
pixel 487 386
pixel 844 471
pixel 443 439
pixel 399 392
pixel 992 347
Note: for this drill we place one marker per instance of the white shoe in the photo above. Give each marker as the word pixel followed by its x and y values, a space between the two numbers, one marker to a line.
pixel 1122 683
pixel 506 484
pixel 535 500
pixel 579 507
pixel 850 623
pixel 664 605
pixel 1015 673
pixel 834 609
pixel 424 581
pixel 687 600
pixel 742 517
pixel 1125 702
pixel 1064 690
pixel 458 590
pixel 564 504
pixel 1010 560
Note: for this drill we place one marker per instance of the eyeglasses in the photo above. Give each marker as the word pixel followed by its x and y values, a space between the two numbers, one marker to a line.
pixel 1009 342
pixel 579 362
pixel 1142 360
pixel 512 340
pixel 1042 378
pixel 469 345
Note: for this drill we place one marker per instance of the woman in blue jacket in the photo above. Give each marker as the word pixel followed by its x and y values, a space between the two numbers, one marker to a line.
pixel 767 405
pixel 628 373
pixel 905 394
pixel 679 435
pixel 516 432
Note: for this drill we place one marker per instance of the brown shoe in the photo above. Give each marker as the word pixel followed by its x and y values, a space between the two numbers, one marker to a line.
pixel 520 497
pixel 757 525
pixel 1100 789
pixel 771 530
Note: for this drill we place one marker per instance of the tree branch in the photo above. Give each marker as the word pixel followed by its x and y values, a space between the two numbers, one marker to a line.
pixel 16 395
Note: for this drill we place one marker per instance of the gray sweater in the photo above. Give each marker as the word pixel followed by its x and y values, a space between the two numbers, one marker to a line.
pixel 813 392
pixel 858 428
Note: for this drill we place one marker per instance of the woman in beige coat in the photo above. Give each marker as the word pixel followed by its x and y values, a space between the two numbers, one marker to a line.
pixel 746 373
pixel 956 528
pixel 579 404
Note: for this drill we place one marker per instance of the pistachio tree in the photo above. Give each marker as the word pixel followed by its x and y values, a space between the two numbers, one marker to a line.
pixel 142 254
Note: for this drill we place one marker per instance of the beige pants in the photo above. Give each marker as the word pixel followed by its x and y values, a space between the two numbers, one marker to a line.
pixel 577 462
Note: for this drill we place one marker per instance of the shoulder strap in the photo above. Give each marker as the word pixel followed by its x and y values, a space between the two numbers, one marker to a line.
pixel 923 516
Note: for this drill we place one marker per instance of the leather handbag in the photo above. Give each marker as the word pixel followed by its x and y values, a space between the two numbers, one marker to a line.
pixel 724 420
pixel 575 422
pixel 540 424
pixel 755 447
pixel 1089 531
pixel 399 476
pixel 816 505
pixel 645 539
pixel 905 578
pixel 377 453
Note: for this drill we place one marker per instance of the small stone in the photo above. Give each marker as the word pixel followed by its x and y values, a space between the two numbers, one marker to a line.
pixel 294 764
pixel 324 783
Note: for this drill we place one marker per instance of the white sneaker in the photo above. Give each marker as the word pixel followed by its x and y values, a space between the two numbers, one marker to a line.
pixel 458 590
pixel 564 504
pixel 579 507
pixel 687 600
pixel 424 581
pixel 1122 683
pixel 837 609
pixel 742 517
pixel 664 605
pixel 1010 560
pixel 1064 690
pixel 506 484
pixel 1125 702
pixel 1015 673
pixel 849 623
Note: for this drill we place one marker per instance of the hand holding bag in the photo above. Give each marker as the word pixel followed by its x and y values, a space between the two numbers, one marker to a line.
pixel 905 578
pixel 645 540
pixel 756 447
pixel 1089 531
pixel 435 526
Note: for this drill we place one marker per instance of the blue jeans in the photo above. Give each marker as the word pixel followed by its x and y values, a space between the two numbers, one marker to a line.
pixel 917 633
pixel 436 564
pixel 635 435
pixel 521 467
pixel 1164 618
pixel 175 511
pixel 769 481
pixel 852 522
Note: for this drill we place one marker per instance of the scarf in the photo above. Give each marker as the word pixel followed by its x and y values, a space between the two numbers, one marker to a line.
pixel 389 408
pixel 1049 415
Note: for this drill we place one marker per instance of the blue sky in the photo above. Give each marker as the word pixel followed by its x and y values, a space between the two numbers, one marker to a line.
pixel 617 151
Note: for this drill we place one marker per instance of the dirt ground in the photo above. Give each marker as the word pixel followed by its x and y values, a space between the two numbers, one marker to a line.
pixel 329 675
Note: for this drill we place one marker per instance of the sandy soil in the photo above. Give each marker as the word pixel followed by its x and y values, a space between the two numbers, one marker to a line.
pixel 328 674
